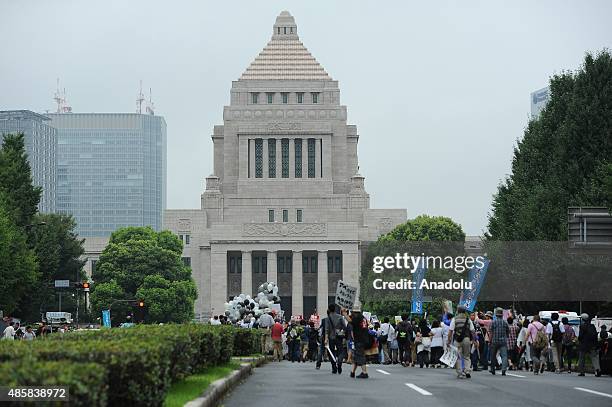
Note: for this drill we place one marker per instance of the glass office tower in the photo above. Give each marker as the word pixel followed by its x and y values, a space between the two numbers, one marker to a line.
pixel 111 170
pixel 41 146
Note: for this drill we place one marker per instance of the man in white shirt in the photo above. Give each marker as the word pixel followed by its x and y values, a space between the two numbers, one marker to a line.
pixel 9 332
pixel 555 331
pixel 215 320
pixel 383 336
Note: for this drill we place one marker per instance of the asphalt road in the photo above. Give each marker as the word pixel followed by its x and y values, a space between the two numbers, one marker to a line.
pixel 292 384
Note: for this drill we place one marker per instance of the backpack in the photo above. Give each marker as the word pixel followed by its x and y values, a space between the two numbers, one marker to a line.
pixel 557 335
pixel 403 331
pixel 463 332
pixel 541 340
pixel 569 336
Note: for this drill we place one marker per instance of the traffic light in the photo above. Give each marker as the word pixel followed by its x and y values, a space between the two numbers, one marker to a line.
pixel 141 304
pixel 85 286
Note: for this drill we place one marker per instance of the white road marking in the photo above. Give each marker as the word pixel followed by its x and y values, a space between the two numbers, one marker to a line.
pixel 417 388
pixel 382 371
pixel 515 375
pixel 593 392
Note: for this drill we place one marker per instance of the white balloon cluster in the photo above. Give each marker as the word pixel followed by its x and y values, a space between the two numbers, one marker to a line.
pixel 243 304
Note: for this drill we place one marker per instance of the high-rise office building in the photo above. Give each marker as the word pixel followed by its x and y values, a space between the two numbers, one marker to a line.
pixel 539 99
pixel 41 145
pixel 111 170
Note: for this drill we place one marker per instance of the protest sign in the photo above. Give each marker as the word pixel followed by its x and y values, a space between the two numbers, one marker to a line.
pixel 449 358
pixel 345 295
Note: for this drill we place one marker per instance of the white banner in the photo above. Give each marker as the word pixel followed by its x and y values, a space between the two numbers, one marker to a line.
pixel 345 295
pixel 450 356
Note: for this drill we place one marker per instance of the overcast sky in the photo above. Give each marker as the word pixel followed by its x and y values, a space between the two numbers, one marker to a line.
pixel 439 90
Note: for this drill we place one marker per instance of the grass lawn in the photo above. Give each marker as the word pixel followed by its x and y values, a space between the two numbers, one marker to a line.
pixel 192 386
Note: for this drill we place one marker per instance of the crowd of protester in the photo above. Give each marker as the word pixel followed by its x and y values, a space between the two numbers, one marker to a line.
pixel 489 341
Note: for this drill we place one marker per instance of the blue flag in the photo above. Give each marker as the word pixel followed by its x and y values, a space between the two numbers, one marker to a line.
pixel 417 293
pixel 476 277
pixel 106 318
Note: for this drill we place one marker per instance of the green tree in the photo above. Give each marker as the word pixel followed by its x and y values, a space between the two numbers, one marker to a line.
pixel 105 295
pixel 563 159
pixel 16 181
pixel 58 250
pixel 147 265
pixel 423 228
pixel 18 267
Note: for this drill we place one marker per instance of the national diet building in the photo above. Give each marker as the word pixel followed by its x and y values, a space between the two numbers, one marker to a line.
pixel 286 202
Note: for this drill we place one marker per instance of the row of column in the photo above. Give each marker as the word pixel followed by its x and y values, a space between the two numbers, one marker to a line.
pixel 279 157
pixel 350 267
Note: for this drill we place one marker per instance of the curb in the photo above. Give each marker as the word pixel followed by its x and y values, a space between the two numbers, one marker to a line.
pixel 217 389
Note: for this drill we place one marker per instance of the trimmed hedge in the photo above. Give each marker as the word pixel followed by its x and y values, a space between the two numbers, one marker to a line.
pixel 86 381
pixel 137 365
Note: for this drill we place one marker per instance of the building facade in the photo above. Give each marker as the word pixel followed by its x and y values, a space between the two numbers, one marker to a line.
pixel 286 202
pixel 539 99
pixel 41 146
pixel 111 170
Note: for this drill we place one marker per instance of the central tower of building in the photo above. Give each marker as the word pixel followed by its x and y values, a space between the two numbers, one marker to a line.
pixel 285 202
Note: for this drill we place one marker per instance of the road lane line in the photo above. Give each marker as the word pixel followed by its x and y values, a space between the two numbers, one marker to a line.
pixel 515 375
pixel 382 371
pixel 418 389
pixel 594 392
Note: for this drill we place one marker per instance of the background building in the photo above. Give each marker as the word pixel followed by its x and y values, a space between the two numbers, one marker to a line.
pixel 286 202
pixel 539 99
pixel 111 170
pixel 41 147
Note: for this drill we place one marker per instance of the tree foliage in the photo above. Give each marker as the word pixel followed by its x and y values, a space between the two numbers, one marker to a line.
pixel 21 195
pixel 139 263
pixel 423 228
pixel 59 252
pixel 563 159
pixel 18 267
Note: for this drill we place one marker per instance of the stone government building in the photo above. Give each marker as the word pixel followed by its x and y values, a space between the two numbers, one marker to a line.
pixel 286 202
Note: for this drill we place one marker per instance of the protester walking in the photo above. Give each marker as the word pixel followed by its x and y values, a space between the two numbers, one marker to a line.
pixel 499 341
pixel 437 343
pixel 362 340
pixel 9 332
pixel 568 347
pixel 461 331
pixel 404 339
pixel 587 345
pixel 276 333
pixel 334 337
pixel 555 331
pixel 537 341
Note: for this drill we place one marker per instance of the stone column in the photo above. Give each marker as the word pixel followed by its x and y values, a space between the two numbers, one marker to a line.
pixel 265 159
pixel 305 158
pixel 246 286
pixel 252 158
pixel 317 158
pixel 291 158
pixel 350 269
pixel 243 146
pixel 322 282
pixel 279 159
pixel 297 287
pixel 272 273
pixel 218 280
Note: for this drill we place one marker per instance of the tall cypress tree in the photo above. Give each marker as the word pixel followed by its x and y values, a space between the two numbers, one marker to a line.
pixel 562 159
pixel 21 196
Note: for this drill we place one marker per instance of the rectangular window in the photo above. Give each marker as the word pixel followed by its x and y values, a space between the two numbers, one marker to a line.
pixel 300 97
pixel 254 98
pixel 283 263
pixel 315 97
pixel 270 97
pixel 271 158
pixel 298 157
pixel 285 215
pixel 311 157
pixel 270 215
pixel 298 215
pixel 186 261
pixel 285 157
pixel 258 158
pixel 285 97
pixel 187 239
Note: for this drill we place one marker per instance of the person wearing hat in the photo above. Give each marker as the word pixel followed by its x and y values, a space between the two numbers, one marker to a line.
pixel 461 332
pixel 499 340
pixel 587 345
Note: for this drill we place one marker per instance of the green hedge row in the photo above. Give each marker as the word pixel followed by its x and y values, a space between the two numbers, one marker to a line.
pixel 132 366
